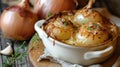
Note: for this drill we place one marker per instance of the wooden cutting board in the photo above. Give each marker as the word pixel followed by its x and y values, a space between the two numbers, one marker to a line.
pixel 36 49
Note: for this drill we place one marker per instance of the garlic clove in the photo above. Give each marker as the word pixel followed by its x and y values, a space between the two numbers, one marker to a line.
pixel 7 51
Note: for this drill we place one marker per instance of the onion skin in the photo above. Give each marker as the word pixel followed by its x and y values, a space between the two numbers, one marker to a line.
pixel 43 7
pixel 17 22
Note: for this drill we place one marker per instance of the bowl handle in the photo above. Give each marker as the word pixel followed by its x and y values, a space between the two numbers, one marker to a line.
pixel 98 54
pixel 38 28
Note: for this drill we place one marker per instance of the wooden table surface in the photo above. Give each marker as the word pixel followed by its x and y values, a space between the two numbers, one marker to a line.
pixel 24 62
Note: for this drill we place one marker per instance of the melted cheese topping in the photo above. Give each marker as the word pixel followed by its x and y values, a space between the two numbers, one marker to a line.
pixel 91 34
pixel 59 29
pixel 84 28
pixel 85 16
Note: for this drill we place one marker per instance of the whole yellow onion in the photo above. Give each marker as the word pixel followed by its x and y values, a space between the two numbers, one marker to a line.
pixel 17 22
pixel 45 7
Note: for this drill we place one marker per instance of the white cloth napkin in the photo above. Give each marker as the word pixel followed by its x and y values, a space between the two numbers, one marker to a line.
pixel 47 55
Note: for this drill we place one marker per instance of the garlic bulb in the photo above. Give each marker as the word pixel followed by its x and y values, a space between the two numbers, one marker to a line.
pixel 7 51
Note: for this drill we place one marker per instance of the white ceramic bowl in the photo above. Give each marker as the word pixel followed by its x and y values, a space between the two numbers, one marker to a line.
pixel 74 54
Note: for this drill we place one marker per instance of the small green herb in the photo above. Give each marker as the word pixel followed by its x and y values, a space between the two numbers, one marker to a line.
pixel 16 56
pixel 31 47
pixel 89 28
pixel 35 39
pixel 93 26
pixel 49 14
pixel 66 23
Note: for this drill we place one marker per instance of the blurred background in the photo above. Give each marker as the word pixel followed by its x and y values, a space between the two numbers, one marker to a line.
pixel 112 5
